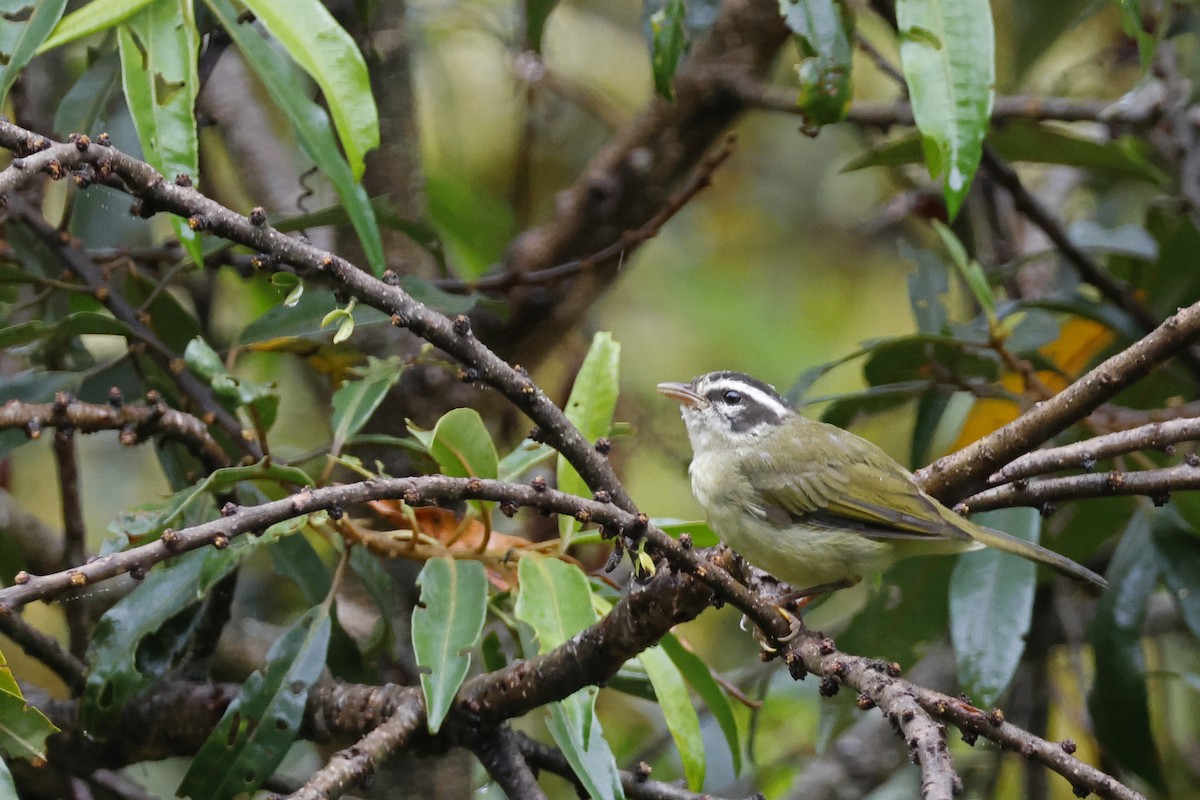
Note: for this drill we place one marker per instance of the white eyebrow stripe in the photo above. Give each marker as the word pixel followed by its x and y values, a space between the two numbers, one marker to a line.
pixel 754 393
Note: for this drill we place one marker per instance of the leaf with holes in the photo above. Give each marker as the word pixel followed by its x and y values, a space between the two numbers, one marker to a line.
pixel 264 719
pixel 824 30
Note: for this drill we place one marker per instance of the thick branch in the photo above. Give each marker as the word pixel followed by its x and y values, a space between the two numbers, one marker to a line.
pixel 499 750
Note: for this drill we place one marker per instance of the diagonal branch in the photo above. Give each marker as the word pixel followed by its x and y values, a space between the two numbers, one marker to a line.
pixel 963 472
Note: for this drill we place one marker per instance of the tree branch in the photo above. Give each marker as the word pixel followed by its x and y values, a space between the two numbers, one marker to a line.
pixel 960 473
pixel 499 750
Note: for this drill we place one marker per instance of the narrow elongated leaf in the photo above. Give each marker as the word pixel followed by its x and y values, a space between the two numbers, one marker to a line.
pixel 313 129
pixel 355 401
pixel 24 25
pixel 1179 551
pixel 698 676
pixel 590 408
pixel 1119 702
pixel 86 100
pixel 323 49
pixel 23 729
pixel 991 607
pixel 592 762
pixel 823 33
pixel 947 50
pixel 159 46
pixel 201 359
pixel 91 18
pixel 970 270
pixel 445 626
pixel 680 715
pixel 555 601
pixel 524 457
pixel 264 719
pixel 668 43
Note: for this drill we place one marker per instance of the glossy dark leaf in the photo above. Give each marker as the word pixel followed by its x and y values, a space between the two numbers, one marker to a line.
pixel 1119 702
pixel 84 103
pixel 264 719
pixel 991 607
pixel 927 285
pixel 25 24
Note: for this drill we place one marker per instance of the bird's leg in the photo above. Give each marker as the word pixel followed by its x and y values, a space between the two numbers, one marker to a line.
pixel 801 600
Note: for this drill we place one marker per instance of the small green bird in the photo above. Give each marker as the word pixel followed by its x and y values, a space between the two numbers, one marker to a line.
pixel 814 505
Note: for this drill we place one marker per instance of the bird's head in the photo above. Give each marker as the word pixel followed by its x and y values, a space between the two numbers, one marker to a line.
pixel 727 409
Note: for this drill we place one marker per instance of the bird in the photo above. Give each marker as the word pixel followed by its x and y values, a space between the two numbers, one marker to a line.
pixel 814 505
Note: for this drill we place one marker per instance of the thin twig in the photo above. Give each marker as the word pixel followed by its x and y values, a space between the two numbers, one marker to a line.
pixel 46 649
pixel 499 750
pixel 74 533
pixel 1155 436
pixel 699 180
pixel 1155 483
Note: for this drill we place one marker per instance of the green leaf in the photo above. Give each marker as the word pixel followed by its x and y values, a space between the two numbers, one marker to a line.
pixel 475 225
pixel 323 49
pixel 991 607
pixel 303 320
pixel 23 729
pixel 1119 702
pixel 917 585
pixel 590 757
pixel 462 447
pixel 911 358
pixel 536 14
pixel 159 46
pixel 116 675
pixel 1131 22
pixel 88 97
pixel 681 718
pixel 970 270
pixel 668 43
pixel 702 535
pixel 1033 142
pixel 91 18
pixel 312 126
pixel 355 401
pixel 264 719
pixel 446 624
pixel 590 408
pixel 698 675
pixel 926 288
pixel 823 31
pixel 201 359
pixel 947 50
pixel 524 457
pixel 555 601
pixel 1179 552
pixel 21 333
pixel 294 558
pixel 24 25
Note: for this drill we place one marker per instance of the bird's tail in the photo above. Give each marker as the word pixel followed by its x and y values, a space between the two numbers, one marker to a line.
pixel 1035 552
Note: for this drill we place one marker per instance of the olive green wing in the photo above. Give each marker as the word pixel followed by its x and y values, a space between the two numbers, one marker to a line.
pixel 823 475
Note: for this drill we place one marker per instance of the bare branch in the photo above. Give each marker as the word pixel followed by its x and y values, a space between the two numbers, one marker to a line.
pixel 1085 454
pixel 46 649
pixel 74 533
pixel 135 422
pixel 499 750
pixel 1155 483
pixel 958 474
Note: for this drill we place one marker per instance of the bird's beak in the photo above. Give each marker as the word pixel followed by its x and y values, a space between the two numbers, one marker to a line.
pixel 682 393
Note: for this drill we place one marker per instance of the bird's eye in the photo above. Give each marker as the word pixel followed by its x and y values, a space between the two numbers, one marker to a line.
pixel 731 397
